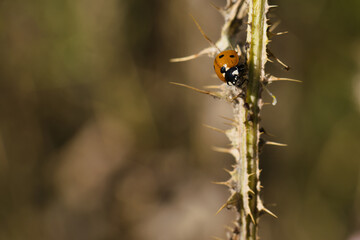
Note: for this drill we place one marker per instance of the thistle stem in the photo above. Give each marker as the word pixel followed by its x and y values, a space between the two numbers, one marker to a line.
pixel 248 164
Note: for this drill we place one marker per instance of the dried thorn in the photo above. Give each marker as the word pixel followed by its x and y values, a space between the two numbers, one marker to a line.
pixel 196 89
pixel 204 35
pixel 286 67
pixel 270 134
pixel 276 144
pixel 230 3
pixel 273 6
pixel 230 119
pixel 213 86
pixel 271 34
pixel 263 131
pixel 219 9
pixel 231 124
pixel 251 191
pixel 215 129
pixel 209 50
pixel 231 200
pixel 229 171
pixel 252 218
pixel 222 183
pixel 223 150
pixel 275 25
pixel 274 79
pixel 269 60
pixel 280 33
pixel 272 95
pixel 187 58
pixel 269 212
pixel 236 224
pixel 238 50
pixel 216 238
pixel 261 186
pixel 221 208
pixel 229 228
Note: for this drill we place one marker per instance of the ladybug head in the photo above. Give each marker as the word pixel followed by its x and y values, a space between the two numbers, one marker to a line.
pixel 232 76
pixel 235 75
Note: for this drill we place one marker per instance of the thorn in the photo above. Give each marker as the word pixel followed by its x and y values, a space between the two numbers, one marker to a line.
pixel 231 200
pixel 220 10
pixel 221 208
pixel 252 218
pixel 286 67
pixel 222 183
pixel 238 50
pixel 263 131
pixel 209 50
pixel 229 228
pixel 269 212
pixel 223 150
pixel 228 171
pixel 274 79
pixel 273 6
pixel 230 119
pixel 280 33
pixel 251 191
pixel 213 86
pixel 271 34
pixel 203 33
pixel 215 129
pixel 276 24
pixel 216 238
pixel 231 124
pixel 228 3
pixel 276 144
pixel 196 89
pixel 274 102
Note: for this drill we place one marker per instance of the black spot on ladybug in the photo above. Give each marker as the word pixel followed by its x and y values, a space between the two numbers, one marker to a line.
pixel 232 56
pixel 222 55
pixel 222 69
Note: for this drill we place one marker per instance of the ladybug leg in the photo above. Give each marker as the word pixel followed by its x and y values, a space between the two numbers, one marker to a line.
pixel 241 67
pixel 241 82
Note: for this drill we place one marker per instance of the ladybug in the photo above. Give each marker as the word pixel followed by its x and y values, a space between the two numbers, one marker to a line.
pixel 228 69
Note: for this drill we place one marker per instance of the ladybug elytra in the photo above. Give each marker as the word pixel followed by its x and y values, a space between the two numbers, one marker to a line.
pixel 228 69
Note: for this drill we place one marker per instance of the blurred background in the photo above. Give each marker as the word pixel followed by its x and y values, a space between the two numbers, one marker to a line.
pixel 96 144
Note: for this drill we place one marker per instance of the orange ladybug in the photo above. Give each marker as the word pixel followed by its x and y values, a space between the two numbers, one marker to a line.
pixel 228 69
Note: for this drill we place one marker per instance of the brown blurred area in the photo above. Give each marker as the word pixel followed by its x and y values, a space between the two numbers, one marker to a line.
pixel 96 144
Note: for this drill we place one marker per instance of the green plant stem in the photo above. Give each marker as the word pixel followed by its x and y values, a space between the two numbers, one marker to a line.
pixel 257 58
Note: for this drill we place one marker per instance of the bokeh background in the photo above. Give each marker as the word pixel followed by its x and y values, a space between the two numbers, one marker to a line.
pixel 96 144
